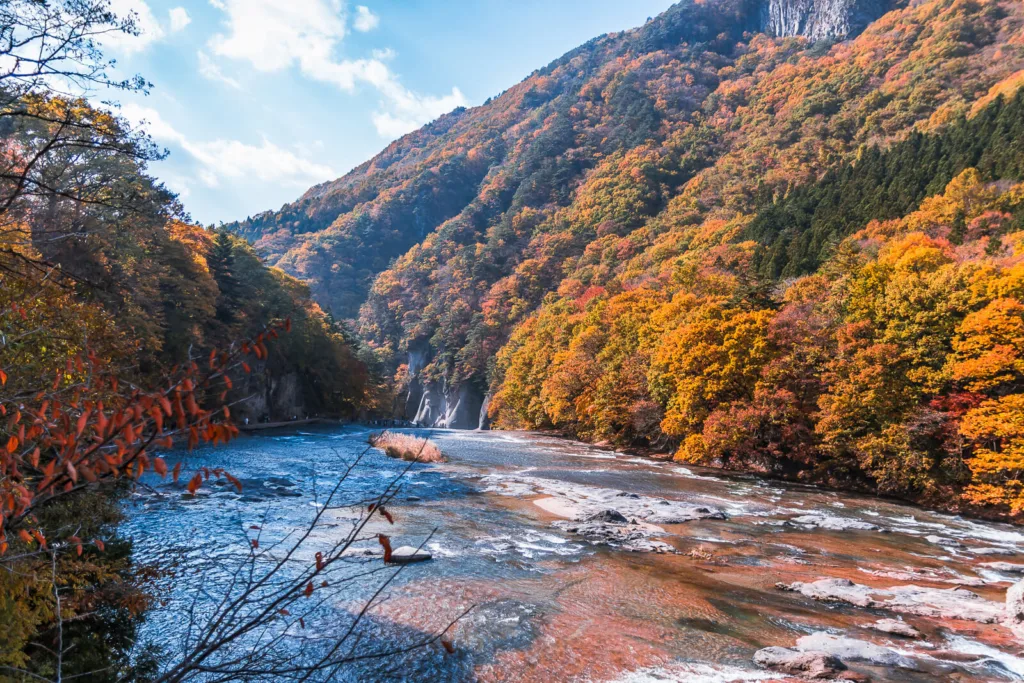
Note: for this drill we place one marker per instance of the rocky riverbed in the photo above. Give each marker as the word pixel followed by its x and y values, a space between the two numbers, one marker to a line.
pixel 582 564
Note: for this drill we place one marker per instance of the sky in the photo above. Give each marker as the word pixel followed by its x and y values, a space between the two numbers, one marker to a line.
pixel 257 100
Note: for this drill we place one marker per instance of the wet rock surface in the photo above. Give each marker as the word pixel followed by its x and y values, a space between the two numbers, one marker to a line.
pixel 896 628
pixel 821 19
pixel 853 650
pixel 812 665
pixel 1006 567
pixel 833 523
pixel 952 603
pixel 407 555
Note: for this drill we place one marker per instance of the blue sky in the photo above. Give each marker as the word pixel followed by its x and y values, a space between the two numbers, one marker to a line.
pixel 257 100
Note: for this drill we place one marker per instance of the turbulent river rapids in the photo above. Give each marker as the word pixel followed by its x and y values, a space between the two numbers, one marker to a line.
pixel 583 564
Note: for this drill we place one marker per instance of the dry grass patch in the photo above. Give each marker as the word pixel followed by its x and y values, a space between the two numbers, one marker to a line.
pixel 407 447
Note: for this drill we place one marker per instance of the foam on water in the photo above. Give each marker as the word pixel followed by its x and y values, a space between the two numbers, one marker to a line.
pixel 695 673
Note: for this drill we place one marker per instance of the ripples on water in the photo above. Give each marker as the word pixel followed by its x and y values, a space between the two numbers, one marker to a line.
pixel 549 606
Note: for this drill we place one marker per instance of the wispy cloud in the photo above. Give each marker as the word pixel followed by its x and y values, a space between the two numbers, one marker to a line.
pixel 179 19
pixel 273 36
pixel 208 69
pixel 220 159
pixel 365 19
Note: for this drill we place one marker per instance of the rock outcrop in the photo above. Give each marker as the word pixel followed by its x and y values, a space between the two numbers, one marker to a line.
pixel 821 19
pixel 813 665
pixel 440 404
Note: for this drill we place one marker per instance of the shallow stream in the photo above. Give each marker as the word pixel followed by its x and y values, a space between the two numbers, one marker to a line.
pixel 687 593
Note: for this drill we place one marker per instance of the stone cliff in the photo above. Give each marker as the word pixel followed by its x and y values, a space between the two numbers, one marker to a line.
pixel 821 19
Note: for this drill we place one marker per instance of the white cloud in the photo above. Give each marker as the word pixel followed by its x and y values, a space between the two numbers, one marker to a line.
pixel 273 36
pixel 231 159
pixel 179 19
pixel 145 23
pixel 415 111
pixel 365 19
pixel 208 69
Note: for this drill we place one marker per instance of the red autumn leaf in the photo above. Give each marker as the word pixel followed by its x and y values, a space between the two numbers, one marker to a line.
pixel 99 544
pixel 319 561
pixel 386 543
pixel 302 622
pixel 3 377
pixel 309 589
pixel 387 515
pixel 83 420
pixel 160 467
pixel 12 444
pixel 284 612
pixel 234 482
pixel 177 471
pixel 245 366
pixel 255 543
pixel 25 536
pixel 195 483
pixel 448 647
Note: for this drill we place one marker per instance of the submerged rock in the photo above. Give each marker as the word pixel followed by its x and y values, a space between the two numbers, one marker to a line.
pixel 853 650
pixel 896 627
pixel 814 665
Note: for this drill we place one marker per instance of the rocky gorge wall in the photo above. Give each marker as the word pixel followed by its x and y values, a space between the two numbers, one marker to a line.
pixel 432 403
pixel 821 19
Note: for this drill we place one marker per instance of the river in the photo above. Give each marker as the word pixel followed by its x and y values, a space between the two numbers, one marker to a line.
pixel 549 604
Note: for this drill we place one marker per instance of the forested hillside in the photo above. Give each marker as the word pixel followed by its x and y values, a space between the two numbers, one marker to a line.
pixel 747 249
pixel 125 330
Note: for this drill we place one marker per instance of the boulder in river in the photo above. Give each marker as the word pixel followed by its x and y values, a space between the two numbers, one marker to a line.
pixel 407 555
pixel 896 627
pixel 609 516
pixel 853 650
pixel 813 665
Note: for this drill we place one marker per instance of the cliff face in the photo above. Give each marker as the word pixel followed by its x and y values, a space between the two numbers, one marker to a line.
pixel 821 19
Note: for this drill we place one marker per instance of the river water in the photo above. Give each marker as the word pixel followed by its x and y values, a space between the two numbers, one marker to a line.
pixel 551 605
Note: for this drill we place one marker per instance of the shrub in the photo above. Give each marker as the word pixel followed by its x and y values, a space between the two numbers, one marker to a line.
pixel 406 447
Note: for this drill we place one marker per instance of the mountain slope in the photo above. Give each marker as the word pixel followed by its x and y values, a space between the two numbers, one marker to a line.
pixel 553 246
